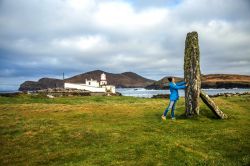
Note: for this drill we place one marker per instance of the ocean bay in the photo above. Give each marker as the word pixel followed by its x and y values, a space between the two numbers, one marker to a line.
pixel 141 92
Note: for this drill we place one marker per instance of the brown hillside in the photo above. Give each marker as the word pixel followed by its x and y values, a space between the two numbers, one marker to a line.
pixel 127 79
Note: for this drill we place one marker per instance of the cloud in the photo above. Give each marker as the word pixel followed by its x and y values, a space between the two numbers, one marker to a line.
pixel 81 43
pixel 121 16
pixel 46 38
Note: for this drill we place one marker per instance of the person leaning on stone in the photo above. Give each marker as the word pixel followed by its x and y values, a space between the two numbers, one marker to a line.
pixel 174 96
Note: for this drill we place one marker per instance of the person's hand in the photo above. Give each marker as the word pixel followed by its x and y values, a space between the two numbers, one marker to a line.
pixel 187 84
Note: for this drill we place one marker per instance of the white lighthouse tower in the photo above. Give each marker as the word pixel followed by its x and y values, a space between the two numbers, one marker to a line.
pixel 103 79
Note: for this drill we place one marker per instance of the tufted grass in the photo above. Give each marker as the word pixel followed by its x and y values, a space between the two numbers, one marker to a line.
pixel 35 130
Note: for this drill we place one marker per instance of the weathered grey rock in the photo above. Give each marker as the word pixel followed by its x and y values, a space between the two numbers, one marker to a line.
pixel 210 103
pixel 192 74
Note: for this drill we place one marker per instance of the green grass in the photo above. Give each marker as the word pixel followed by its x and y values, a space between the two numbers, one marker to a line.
pixel 35 130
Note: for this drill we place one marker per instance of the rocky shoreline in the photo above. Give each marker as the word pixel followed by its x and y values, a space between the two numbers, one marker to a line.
pixel 59 92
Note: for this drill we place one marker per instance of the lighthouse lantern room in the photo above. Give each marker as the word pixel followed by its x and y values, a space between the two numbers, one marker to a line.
pixel 103 79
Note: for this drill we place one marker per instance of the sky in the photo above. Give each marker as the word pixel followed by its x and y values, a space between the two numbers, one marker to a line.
pixel 44 38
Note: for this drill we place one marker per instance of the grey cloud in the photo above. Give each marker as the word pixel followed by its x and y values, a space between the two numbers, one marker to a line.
pixel 46 38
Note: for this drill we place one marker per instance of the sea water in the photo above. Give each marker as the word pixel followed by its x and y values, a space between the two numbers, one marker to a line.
pixel 141 92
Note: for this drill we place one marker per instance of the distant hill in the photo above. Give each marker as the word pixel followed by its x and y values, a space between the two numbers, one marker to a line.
pixel 42 83
pixel 225 81
pixel 210 81
pixel 125 80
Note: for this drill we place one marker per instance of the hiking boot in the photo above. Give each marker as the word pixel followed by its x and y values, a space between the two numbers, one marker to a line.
pixel 163 117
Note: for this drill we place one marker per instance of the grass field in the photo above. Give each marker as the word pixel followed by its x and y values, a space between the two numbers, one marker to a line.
pixel 120 131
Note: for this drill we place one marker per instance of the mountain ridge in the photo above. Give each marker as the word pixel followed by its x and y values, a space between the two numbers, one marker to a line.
pixel 133 80
pixel 124 80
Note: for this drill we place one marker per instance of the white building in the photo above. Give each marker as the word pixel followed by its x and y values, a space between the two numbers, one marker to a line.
pixel 93 85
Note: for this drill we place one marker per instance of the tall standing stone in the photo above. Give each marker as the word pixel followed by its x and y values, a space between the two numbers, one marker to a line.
pixel 192 74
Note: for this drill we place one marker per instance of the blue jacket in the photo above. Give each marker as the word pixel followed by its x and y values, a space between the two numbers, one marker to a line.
pixel 174 95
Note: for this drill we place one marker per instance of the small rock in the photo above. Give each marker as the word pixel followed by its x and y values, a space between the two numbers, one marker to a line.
pixel 50 96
